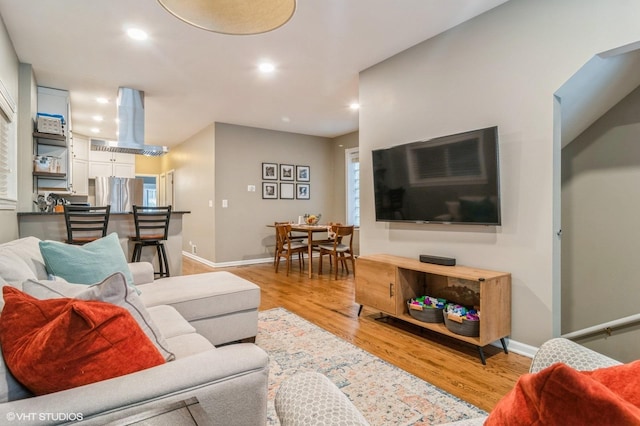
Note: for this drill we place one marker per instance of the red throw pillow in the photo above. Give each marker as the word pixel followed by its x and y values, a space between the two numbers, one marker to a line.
pixel 57 344
pixel 560 395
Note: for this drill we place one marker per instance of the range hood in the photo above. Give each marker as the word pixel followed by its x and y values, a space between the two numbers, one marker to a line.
pixel 130 127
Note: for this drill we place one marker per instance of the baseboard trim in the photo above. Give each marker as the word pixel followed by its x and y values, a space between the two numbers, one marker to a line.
pixel 232 263
pixel 517 347
pixel 226 264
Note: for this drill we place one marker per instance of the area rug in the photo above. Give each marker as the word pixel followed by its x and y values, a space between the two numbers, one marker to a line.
pixel 384 393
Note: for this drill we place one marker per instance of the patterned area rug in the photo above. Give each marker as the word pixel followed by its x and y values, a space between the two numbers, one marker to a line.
pixel 384 394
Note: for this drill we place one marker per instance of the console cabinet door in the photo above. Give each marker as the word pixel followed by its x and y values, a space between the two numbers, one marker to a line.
pixel 376 285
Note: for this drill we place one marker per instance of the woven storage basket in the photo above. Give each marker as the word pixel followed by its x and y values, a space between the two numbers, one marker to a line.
pixel 426 314
pixel 465 328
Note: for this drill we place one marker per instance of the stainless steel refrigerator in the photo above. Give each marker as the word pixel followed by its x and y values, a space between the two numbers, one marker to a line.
pixel 121 193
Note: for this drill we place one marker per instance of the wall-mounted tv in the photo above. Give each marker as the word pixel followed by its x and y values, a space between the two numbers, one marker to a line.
pixel 451 179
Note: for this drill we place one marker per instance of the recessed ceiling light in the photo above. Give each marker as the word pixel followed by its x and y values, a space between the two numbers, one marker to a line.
pixel 97 118
pixel 102 100
pixel 137 34
pixel 354 106
pixel 266 67
pixel 95 130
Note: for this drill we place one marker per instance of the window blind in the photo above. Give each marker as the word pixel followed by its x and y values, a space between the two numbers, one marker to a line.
pixel 8 150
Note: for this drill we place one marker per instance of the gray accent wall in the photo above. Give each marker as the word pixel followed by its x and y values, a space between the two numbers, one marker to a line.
pixel 501 68
pixel 194 185
pixel 241 228
pixel 601 229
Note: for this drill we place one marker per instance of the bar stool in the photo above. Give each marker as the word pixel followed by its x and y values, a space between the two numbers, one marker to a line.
pixel 152 229
pixel 85 223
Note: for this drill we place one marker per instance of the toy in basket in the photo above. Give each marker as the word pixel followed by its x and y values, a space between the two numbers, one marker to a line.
pixel 426 308
pixel 462 320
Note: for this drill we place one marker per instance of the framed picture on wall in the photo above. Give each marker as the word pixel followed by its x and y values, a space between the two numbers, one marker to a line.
pixel 286 191
pixel 302 191
pixel 269 190
pixel 269 171
pixel 286 172
pixel 303 173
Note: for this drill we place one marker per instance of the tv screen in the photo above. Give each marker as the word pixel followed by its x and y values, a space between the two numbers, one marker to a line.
pixel 451 179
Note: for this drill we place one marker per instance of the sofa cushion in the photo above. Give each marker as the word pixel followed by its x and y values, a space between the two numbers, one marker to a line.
pixel 189 344
pixel 86 264
pixel 203 295
pixel 113 289
pixel 561 395
pixel 10 388
pixel 57 344
pixel 20 260
pixel 169 321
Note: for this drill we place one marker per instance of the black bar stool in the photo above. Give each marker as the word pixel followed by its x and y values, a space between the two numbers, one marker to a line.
pixel 152 228
pixel 85 223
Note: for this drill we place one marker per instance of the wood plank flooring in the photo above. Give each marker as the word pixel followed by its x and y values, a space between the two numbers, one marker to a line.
pixel 444 362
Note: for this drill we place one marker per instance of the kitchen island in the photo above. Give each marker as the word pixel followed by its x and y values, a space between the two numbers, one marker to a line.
pixel 51 226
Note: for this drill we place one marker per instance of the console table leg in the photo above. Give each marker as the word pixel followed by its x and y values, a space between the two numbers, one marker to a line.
pixel 504 345
pixel 360 310
pixel 484 361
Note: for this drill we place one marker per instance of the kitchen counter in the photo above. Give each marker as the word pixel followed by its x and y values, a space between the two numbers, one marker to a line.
pixel 111 214
pixel 51 226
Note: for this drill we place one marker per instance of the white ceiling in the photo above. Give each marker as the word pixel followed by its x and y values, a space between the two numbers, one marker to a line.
pixel 192 78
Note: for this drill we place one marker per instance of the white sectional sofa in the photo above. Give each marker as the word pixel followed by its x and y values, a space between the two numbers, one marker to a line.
pixel 194 314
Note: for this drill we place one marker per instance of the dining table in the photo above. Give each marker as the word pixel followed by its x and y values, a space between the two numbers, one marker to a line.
pixel 310 230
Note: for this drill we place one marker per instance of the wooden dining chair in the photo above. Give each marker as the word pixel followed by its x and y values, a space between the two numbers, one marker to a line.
pixel 286 247
pixel 338 250
pixel 292 236
pixel 85 223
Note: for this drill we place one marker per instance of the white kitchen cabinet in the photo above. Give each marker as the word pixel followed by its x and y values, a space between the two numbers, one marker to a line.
pixel 103 163
pixel 80 180
pixel 80 147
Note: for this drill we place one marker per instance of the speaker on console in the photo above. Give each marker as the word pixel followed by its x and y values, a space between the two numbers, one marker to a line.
pixel 438 260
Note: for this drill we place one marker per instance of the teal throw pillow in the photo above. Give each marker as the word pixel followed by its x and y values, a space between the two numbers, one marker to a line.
pixel 87 264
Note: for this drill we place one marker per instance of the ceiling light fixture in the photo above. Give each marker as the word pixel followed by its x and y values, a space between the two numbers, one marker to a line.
pixel 102 100
pixel 266 67
pixel 137 34
pixel 354 106
pixel 97 118
pixel 235 17
pixel 95 130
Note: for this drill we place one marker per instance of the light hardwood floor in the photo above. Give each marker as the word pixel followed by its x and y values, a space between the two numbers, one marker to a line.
pixel 444 362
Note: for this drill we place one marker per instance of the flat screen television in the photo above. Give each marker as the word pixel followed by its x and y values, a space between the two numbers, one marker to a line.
pixel 452 179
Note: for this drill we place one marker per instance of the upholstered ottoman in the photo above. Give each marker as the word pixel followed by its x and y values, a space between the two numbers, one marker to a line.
pixel 311 399
pixel 220 305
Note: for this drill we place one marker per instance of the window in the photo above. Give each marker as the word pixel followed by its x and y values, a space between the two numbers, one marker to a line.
pixel 8 151
pixel 353 186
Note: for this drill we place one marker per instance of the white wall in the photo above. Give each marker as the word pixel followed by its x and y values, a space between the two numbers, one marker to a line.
pixel 9 67
pixel 501 68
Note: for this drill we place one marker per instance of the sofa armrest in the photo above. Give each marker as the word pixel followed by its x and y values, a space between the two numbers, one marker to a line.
pixel 142 272
pixel 230 383
pixel 573 354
